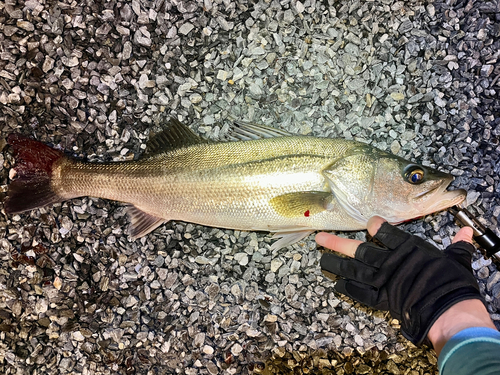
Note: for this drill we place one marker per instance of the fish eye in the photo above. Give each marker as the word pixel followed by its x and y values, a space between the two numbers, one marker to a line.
pixel 415 175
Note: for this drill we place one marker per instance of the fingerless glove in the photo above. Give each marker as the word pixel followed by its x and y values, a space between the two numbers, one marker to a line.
pixel 412 279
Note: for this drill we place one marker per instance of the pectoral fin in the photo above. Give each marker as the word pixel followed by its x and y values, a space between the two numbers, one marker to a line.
pixel 142 223
pixel 301 204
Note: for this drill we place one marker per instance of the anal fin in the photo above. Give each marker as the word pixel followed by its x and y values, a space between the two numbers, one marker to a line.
pixel 142 223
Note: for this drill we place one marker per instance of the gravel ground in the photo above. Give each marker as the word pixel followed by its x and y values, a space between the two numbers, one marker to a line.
pixel 417 78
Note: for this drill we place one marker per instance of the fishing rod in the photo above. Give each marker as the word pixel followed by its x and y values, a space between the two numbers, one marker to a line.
pixel 483 236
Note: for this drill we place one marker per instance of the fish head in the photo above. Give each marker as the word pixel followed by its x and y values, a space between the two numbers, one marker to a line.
pixel 369 182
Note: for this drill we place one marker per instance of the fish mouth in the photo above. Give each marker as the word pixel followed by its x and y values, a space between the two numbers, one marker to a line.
pixel 437 198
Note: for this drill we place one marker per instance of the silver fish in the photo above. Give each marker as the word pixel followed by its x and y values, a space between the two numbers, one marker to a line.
pixel 264 180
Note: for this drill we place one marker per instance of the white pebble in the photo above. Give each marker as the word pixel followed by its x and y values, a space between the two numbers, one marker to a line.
pixel 77 335
pixel 207 349
pixel 236 349
pixel 276 264
pixel 186 28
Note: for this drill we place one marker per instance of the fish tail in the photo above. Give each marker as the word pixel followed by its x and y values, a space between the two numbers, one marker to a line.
pixel 31 187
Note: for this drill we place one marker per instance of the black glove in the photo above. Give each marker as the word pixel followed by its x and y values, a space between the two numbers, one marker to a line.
pixel 411 278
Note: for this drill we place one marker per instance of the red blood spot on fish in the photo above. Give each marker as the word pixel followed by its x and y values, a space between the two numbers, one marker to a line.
pixel 307 213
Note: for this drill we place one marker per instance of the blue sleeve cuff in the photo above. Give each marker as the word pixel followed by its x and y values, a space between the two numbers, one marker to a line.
pixel 465 337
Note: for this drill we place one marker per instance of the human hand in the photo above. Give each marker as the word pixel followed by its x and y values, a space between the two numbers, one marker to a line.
pixel 411 278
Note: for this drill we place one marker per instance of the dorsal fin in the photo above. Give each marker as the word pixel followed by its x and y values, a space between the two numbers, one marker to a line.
pixel 241 131
pixel 175 135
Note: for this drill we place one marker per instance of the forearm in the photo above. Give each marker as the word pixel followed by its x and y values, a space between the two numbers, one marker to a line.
pixel 464 314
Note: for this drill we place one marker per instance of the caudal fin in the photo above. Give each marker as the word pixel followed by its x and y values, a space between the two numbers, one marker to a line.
pixel 31 188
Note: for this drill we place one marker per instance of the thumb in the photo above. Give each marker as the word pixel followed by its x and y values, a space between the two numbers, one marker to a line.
pixel 464 234
pixel 374 224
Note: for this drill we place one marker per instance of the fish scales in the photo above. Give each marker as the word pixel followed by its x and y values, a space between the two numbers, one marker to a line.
pixel 266 180
pixel 218 184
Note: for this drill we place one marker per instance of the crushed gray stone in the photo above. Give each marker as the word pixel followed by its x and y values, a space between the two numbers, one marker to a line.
pixel 96 78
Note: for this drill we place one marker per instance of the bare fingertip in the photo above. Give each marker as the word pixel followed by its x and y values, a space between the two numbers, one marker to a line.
pixel 320 238
pixel 468 231
pixel 374 224
pixel 464 234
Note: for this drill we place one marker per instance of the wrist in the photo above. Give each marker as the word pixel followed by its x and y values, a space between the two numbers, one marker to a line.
pixel 462 315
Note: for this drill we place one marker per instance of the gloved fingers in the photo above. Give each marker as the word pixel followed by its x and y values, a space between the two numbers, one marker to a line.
pixel 363 293
pixel 371 254
pixel 461 248
pixel 461 252
pixel 348 268
pixel 341 245
pixel 391 236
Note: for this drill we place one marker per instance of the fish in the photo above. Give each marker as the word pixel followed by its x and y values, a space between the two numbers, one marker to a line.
pixel 259 179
